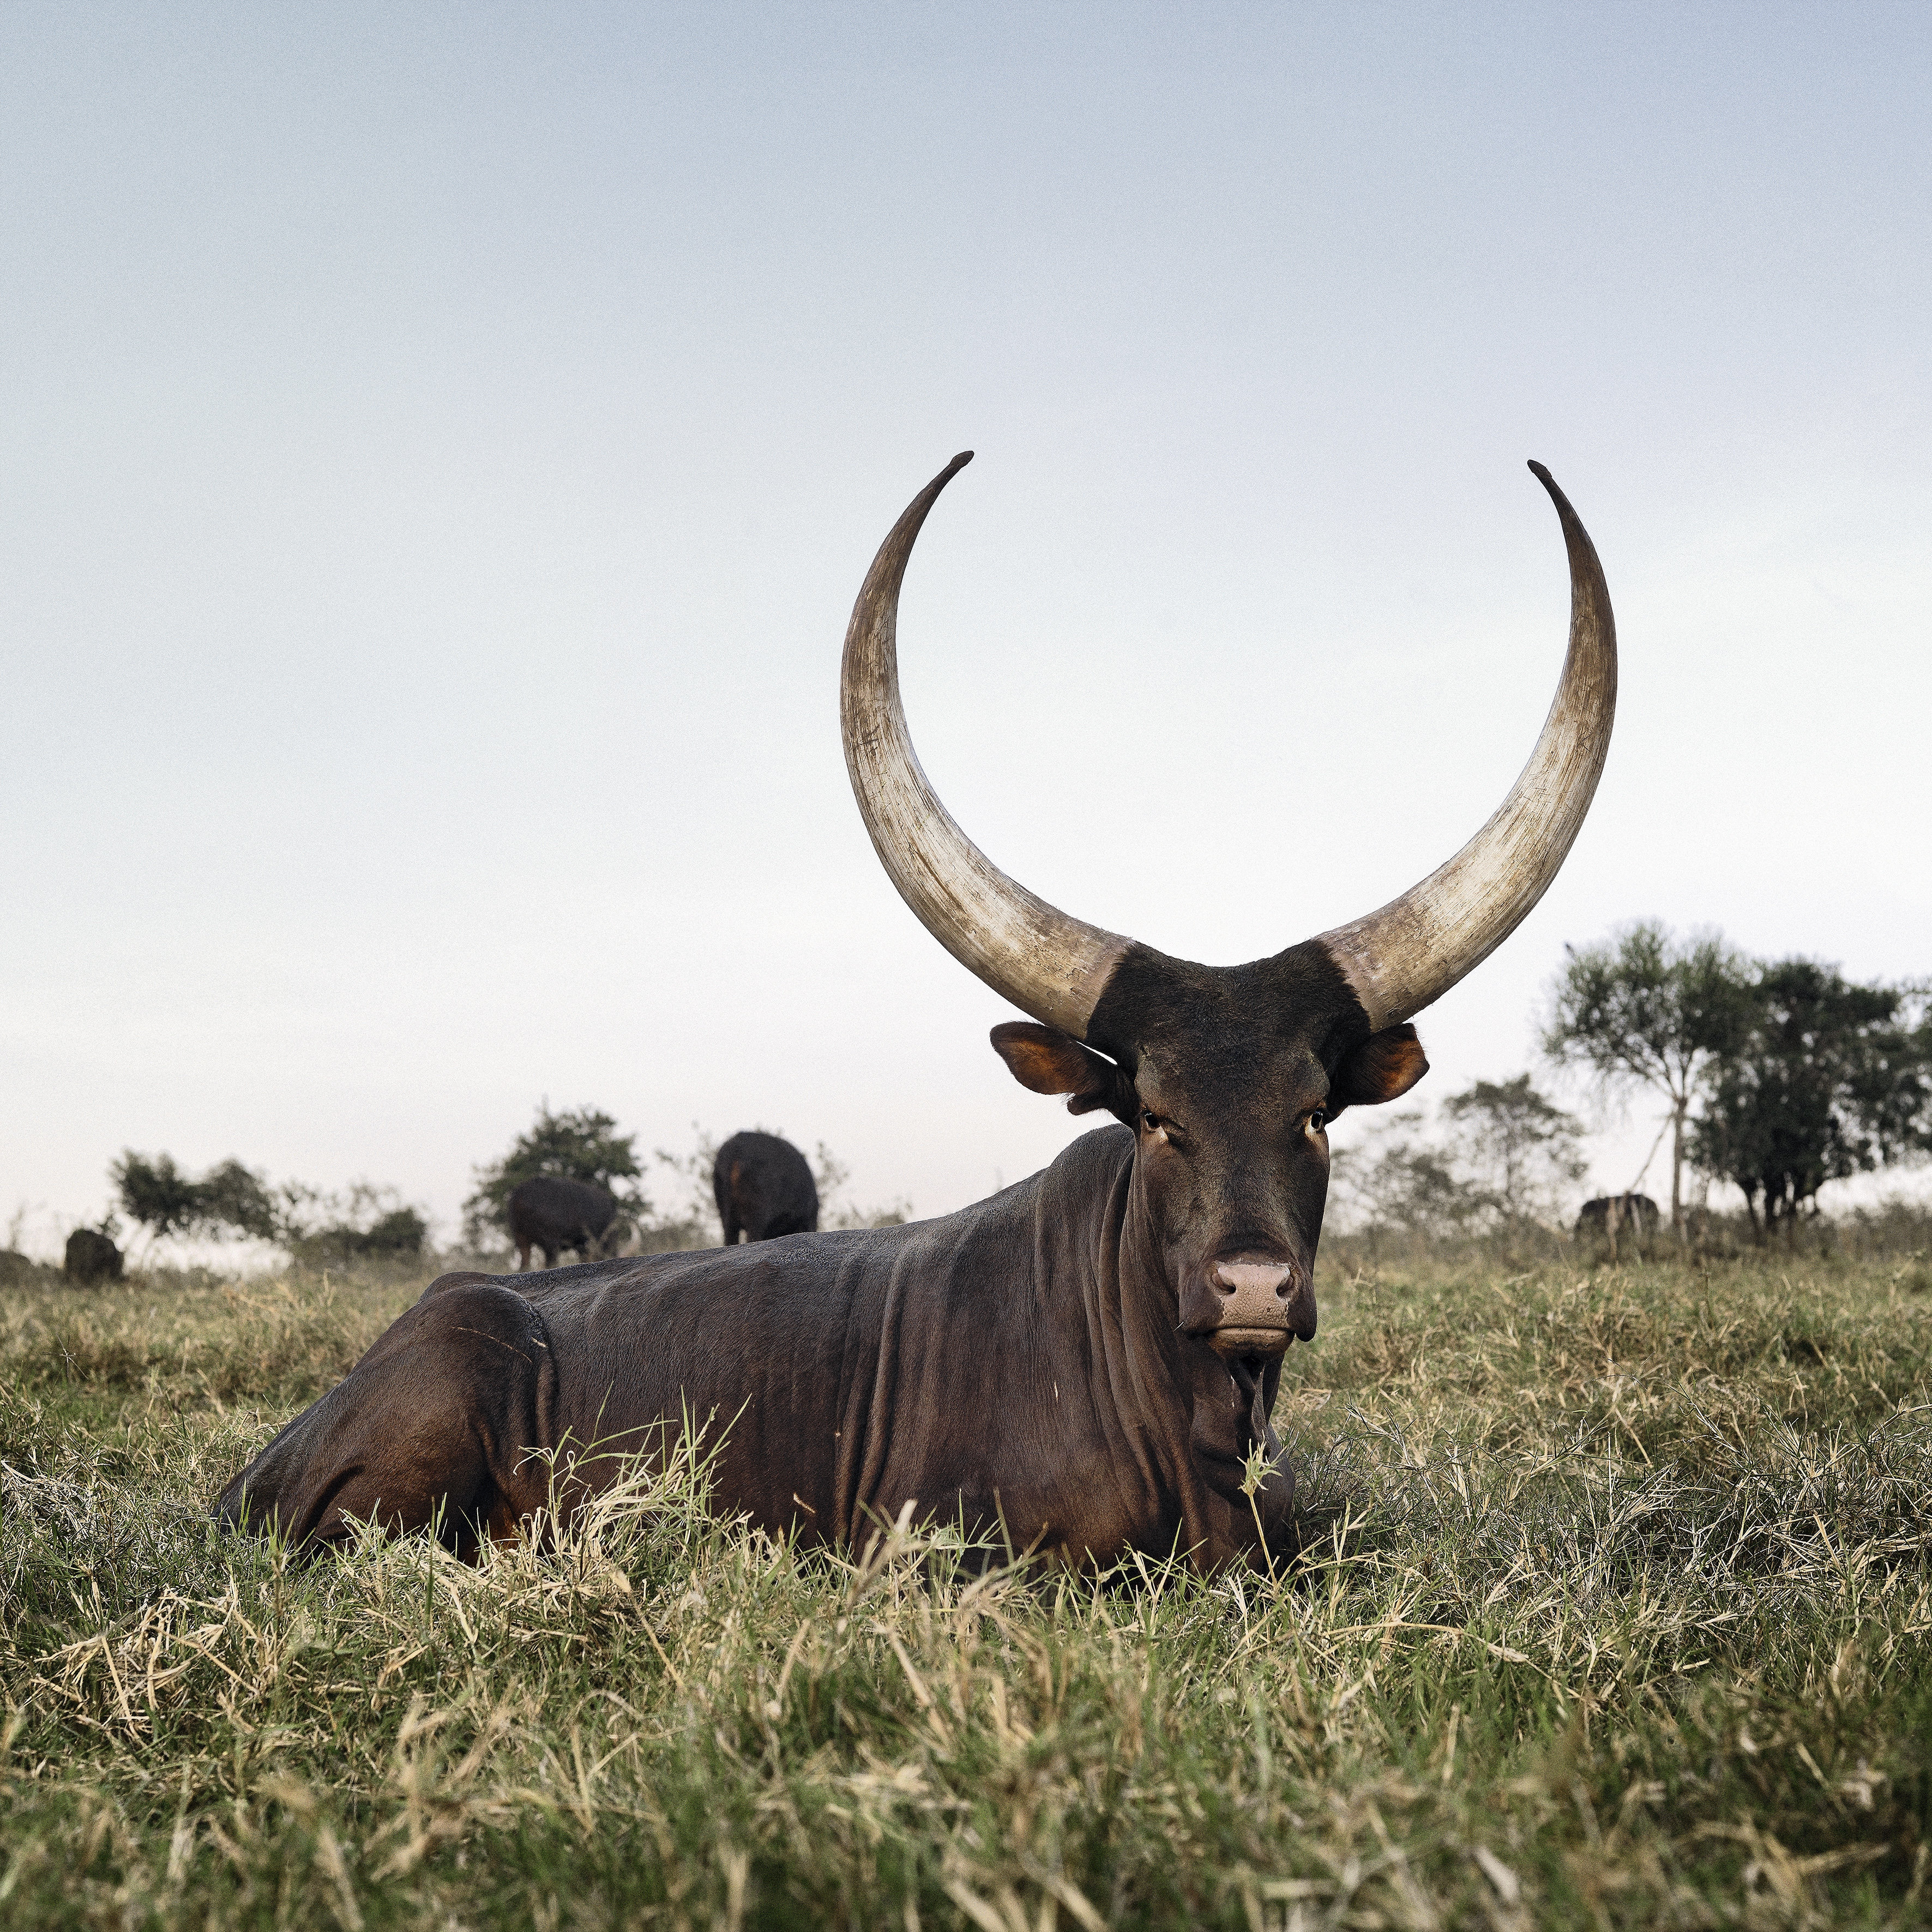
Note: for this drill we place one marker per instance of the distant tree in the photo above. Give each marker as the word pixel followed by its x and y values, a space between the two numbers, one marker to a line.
pixel 1400 1182
pixel 1508 1154
pixel 231 1201
pixel 364 1221
pixel 228 1200
pixel 829 1175
pixel 1519 1147
pixel 690 1220
pixel 581 1145
pixel 1828 1079
pixel 402 1231
pixel 238 1198
pixel 1645 1009
pixel 156 1195
pixel 389 1237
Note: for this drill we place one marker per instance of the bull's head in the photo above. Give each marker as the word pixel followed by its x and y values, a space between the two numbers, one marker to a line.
pixel 1228 1075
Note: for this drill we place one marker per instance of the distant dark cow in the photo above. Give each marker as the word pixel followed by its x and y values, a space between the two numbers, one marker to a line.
pixel 764 1189
pixel 1605 1218
pixel 558 1217
pixel 1085 1362
pixel 91 1257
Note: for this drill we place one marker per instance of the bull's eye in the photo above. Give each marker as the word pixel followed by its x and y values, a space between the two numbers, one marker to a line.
pixel 1149 1123
pixel 1317 1121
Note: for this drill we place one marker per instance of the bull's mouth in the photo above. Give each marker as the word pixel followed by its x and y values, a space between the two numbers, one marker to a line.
pixel 1231 1342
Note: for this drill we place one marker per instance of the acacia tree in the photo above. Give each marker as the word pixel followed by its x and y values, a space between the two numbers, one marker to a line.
pixel 1645 1009
pixel 1399 1181
pixel 1828 1079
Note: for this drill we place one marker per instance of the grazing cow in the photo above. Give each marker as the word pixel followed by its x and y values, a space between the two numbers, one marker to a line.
pixel 764 1189
pixel 92 1258
pixel 558 1217
pixel 1086 1362
pixel 1603 1218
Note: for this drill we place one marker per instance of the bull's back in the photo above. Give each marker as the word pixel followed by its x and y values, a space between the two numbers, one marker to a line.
pixel 748 1349
pixel 836 1375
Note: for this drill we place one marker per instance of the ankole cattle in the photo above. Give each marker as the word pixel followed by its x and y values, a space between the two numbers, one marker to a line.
pixel 1604 1219
pixel 764 1189
pixel 92 1258
pixel 556 1216
pixel 1084 1363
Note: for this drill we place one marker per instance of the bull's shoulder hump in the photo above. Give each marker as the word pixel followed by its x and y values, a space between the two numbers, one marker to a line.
pixel 466 1278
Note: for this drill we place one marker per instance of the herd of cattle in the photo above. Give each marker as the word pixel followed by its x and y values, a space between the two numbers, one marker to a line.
pixel 1084 1365
pixel 763 1185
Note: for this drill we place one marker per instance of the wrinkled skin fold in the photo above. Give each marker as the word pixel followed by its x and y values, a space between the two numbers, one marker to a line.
pixel 847 1374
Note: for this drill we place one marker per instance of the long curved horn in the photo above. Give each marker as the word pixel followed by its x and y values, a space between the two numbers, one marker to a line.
pixel 1049 965
pixel 1412 951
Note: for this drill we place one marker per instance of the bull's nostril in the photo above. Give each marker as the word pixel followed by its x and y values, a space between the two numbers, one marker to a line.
pixel 1240 1280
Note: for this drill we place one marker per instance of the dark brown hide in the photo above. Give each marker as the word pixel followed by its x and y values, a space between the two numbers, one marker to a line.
pixel 1017 1363
pixel 431 1425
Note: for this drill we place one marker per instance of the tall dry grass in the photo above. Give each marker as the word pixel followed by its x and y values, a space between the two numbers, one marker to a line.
pixel 1616 1611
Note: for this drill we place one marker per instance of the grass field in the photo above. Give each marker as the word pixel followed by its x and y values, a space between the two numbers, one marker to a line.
pixel 1616 1610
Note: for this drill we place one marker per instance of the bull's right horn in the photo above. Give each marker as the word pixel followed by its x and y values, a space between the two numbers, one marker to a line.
pixel 1412 951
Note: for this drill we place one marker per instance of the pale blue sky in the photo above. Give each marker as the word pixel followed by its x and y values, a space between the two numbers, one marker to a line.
pixel 443 446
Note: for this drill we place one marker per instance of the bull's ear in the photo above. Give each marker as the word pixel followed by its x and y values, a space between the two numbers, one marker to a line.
pixel 1384 1067
pixel 1049 1061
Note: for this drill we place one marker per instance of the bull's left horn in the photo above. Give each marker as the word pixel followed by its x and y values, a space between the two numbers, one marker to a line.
pixel 1412 951
pixel 1047 963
